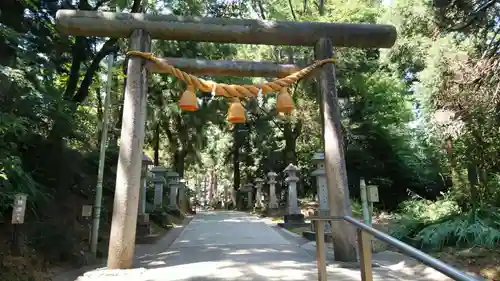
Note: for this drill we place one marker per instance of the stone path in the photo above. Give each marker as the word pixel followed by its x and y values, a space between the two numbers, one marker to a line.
pixel 224 245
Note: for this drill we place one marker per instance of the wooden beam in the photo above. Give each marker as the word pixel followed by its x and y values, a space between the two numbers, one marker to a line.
pixel 227 68
pixel 344 234
pixel 239 31
pixel 128 175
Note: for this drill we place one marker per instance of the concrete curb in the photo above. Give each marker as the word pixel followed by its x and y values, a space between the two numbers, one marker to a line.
pixel 173 234
pixel 290 233
pixel 187 220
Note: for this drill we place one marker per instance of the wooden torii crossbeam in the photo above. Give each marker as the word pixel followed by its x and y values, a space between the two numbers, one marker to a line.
pixel 224 30
pixel 141 28
pixel 227 68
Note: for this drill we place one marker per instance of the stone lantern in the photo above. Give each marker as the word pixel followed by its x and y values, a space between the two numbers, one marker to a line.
pixel 249 189
pixel 173 182
pixel 258 195
pixel 146 161
pixel 143 226
pixel 182 194
pixel 294 215
pixel 159 181
pixel 273 201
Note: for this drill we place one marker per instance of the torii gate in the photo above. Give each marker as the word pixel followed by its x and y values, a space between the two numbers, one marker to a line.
pixel 141 28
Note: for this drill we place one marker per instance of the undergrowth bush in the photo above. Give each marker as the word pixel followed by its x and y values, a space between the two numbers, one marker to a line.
pixel 357 208
pixel 53 241
pixel 434 225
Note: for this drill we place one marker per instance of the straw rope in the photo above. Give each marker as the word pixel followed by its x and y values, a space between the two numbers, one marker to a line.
pixel 238 91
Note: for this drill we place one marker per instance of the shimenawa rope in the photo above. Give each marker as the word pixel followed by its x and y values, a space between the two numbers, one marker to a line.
pixel 239 91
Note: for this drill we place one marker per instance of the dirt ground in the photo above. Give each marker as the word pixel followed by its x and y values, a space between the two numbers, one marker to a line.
pixel 485 262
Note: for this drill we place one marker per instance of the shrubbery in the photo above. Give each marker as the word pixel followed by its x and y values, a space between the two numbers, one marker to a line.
pixel 434 225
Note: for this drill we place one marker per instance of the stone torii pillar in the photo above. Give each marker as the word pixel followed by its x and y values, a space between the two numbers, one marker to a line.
pixel 258 195
pixel 294 215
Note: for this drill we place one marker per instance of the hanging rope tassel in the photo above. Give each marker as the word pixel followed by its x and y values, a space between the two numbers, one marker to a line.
pixel 236 112
pixel 284 102
pixel 188 100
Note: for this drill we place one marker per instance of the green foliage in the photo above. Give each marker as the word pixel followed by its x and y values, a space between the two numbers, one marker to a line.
pixel 357 208
pixel 435 225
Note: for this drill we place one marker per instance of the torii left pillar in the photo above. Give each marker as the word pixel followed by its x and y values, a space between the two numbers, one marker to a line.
pixel 128 174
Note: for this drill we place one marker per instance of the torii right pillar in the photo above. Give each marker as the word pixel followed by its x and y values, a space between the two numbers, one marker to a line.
pixel 343 234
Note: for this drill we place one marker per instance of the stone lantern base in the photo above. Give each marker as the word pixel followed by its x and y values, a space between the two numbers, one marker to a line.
pixel 144 228
pixel 272 212
pixel 294 219
pixel 311 236
pixel 258 209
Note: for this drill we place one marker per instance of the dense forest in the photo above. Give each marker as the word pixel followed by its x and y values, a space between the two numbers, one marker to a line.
pixel 420 120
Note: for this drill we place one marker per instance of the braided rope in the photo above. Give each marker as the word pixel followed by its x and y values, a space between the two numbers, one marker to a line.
pixel 231 91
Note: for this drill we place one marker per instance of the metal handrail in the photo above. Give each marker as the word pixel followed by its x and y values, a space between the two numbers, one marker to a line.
pixel 365 257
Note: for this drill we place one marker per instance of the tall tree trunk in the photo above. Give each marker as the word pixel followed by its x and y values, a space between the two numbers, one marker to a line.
pixel 156 148
pixel 14 19
pixel 211 187
pixel 321 7
pixel 473 176
pixel 290 132
pixel 179 162
pixel 236 162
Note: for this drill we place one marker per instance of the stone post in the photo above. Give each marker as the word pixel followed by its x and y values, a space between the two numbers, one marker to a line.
pixel 182 194
pixel 258 195
pixel 249 188
pixel 233 197
pixel 173 181
pixel 273 201
pixel 319 173
pixel 205 192
pixel 159 181
pixel 294 215
pixel 143 226
pixel 142 188
pixel 197 195
pixel 226 196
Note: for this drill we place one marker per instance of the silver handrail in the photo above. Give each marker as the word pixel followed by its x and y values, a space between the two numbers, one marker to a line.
pixel 365 258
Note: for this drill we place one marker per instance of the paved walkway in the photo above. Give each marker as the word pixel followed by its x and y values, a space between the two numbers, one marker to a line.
pixel 230 246
pixel 235 246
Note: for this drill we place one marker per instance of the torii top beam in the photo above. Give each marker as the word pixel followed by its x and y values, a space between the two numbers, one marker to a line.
pixel 223 30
